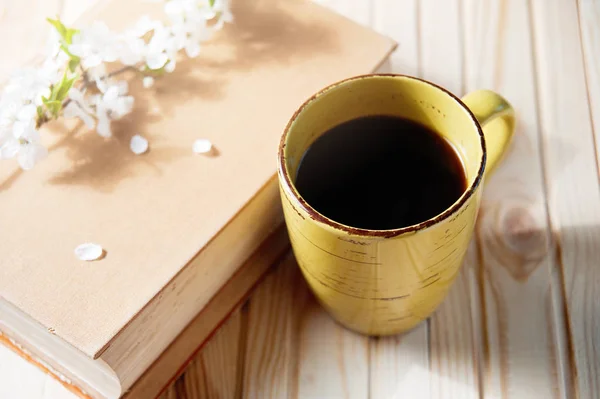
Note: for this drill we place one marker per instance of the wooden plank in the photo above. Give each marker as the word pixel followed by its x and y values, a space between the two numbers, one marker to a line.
pixel 271 353
pixel 522 351
pixel 399 20
pixel 214 371
pixel 333 362
pixel 454 328
pixel 570 162
pixel 400 365
pixel 273 333
pixel 294 349
pixel 589 24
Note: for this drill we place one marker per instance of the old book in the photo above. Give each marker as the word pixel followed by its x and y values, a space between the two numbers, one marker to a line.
pixel 175 358
pixel 176 226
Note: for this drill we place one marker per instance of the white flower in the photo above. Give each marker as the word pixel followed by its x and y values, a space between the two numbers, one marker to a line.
pixel 30 84
pixel 156 51
pixel 15 119
pixel 189 35
pixel 130 49
pixel 111 105
pixel 53 67
pixel 201 146
pixel 177 10
pixel 25 146
pixel 96 73
pixel 89 251
pixel 94 44
pixel 148 81
pixel 78 107
pixel 143 26
pixel 221 11
pixel 99 75
pixel 198 35
pixel 138 144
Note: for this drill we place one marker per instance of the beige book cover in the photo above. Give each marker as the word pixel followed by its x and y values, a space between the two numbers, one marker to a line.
pixel 175 225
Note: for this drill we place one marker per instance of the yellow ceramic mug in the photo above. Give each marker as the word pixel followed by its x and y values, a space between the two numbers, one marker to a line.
pixel 381 282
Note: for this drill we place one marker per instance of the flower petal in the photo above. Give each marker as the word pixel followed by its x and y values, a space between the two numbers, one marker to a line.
pixel 202 146
pixel 156 61
pixel 28 112
pixel 138 144
pixel 170 67
pixel 31 153
pixel 9 149
pixel 89 251
pixel 93 60
pixel 148 81
pixel 103 127
pixel 73 110
pixel 192 49
pixel 143 26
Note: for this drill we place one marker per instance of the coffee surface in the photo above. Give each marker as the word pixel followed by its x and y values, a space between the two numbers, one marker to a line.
pixel 380 173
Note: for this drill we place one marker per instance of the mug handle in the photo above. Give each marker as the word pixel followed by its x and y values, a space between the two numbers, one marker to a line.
pixel 497 119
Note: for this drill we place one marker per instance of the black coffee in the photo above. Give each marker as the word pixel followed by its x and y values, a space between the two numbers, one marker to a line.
pixel 380 173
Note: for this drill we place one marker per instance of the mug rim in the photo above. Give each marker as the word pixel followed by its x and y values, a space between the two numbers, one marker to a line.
pixel 317 216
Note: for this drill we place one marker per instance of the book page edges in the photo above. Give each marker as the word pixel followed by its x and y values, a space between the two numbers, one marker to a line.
pixel 72 368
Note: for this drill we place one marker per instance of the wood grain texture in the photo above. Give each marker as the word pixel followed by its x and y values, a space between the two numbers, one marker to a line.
pixel 521 349
pixel 570 163
pixel 214 371
pixel 589 25
pixel 333 362
pixel 274 321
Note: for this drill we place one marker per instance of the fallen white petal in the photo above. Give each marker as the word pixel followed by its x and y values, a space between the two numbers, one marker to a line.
pixel 138 144
pixel 88 251
pixel 170 66
pixel 202 146
pixel 148 81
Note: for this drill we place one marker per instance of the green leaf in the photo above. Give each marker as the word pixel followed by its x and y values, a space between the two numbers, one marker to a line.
pixel 53 92
pixel 62 89
pixel 40 112
pixel 66 34
pixel 73 63
pixel 212 3
pixel 54 107
pixel 69 35
pixel 60 28
pixel 67 52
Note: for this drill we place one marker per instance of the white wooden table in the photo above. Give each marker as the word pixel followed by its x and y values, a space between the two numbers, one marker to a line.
pixel 523 319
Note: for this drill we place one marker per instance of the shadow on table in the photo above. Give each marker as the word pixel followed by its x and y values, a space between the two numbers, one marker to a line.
pixel 496 330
